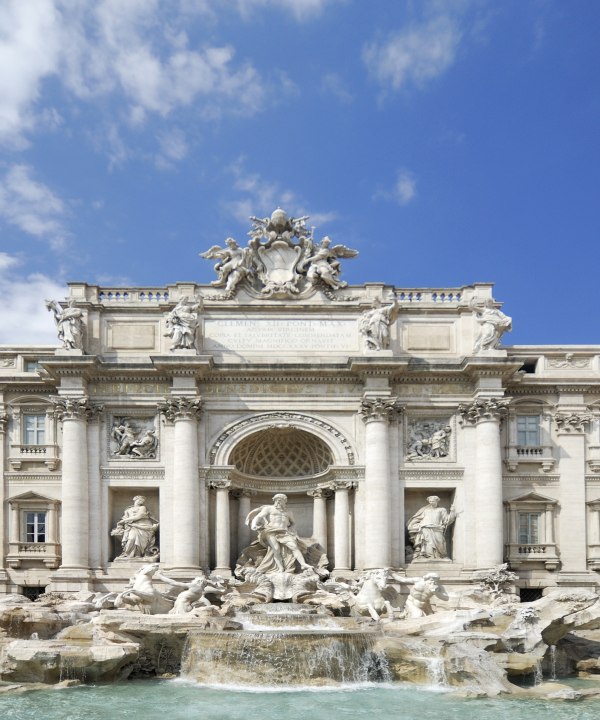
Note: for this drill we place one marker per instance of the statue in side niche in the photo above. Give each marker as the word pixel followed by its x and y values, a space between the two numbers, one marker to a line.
pixel 69 323
pixel 182 323
pixel 494 323
pixel 374 325
pixel 427 530
pixel 137 530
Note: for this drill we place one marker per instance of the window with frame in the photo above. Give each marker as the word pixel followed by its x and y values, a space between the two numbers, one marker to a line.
pixel 528 430
pixel 32 366
pixel 35 526
pixel 529 527
pixel 34 429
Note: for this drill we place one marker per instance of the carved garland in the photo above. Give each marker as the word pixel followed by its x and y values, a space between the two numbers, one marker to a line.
pixel 288 417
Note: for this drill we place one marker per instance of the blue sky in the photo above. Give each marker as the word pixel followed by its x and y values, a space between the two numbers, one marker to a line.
pixel 448 141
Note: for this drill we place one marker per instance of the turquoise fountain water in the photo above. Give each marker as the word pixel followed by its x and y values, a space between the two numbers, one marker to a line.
pixel 179 700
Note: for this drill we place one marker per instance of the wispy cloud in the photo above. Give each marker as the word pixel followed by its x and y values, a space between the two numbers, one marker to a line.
pixel 137 52
pixel 300 9
pixel 24 316
pixel 31 206
pixel 259 196
pixel 404 189
pixel 415 55
pixel 332 84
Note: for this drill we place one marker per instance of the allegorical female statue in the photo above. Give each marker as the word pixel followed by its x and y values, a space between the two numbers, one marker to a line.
pixel 137 530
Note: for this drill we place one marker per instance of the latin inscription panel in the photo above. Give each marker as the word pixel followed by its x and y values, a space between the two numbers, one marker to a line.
pixel 280 335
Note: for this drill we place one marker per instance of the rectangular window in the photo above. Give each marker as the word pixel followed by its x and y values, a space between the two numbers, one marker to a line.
pixel 528 430
pixel 32 366
pixel 35 527
pixel 35 429
pixel 529 528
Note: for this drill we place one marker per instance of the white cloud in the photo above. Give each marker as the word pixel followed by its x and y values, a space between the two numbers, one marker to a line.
pixel 260 197
pixel 300 9
pixel 415 55
pixel 137 51
pixel 31 206
pixel 405 189
pixel 24 315
pixel 173 148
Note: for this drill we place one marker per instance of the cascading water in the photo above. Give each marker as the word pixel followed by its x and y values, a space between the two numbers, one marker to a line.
pixel 294 650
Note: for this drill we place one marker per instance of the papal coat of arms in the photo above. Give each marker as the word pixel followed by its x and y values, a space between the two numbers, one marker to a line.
pixel 281 260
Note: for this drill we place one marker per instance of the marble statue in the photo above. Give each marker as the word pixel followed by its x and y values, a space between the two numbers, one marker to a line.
pixel 234 265
pixel 69 323
pixel 418 602
pixel 370 598
pixel 277 533
pixel 494 323
pixel 374 325
pixel 141 595
pixel 137 530
pixel 131 442
pixel 323 266
pixel 182 323
pixel 281 259
pixel 194 594
pixel 428 440
pixel 427 529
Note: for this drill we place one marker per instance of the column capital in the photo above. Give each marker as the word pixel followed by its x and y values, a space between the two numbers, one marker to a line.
pixel 572 423
pixel 380 408
pixel 180 408
pixel 222 484
pixel 78 408
pixel 241 492
pixel 483 409
pixel 320 492
pixel 343 485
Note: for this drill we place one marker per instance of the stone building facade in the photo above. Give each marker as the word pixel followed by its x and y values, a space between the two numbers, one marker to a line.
pixel 357 402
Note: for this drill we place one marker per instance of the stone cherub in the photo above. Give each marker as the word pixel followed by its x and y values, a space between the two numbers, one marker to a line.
pixel 234 265
pixel 322 265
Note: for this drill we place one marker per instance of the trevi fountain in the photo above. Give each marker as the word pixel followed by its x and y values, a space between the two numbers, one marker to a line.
pixel 280 496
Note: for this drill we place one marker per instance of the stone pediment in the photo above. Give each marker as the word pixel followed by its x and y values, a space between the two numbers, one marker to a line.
pixel 532 497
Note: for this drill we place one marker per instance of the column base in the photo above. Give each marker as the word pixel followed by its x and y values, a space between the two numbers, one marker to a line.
pixel 223 572
pixel 71 580
pixel 180 572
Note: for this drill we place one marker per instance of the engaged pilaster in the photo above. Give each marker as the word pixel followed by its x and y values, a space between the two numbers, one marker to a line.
pixel 486 414
pixel 377 413
pixel 185 412
pixel 74 414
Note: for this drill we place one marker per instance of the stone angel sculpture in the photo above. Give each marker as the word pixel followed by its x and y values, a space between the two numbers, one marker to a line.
pixel 322 263
pixel 69 323
pixel 234 264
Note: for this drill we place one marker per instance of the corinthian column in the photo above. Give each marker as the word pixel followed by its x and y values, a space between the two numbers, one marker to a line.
pixel 74 414
pixel 485 414
pixel 377 413
pixel 184 412
pixel 222 527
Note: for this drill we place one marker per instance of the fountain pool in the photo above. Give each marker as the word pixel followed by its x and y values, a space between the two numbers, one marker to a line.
pixel 179 700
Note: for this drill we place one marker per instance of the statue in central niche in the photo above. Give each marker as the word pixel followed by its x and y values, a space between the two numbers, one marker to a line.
pixel 278 564
pixel 277 534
